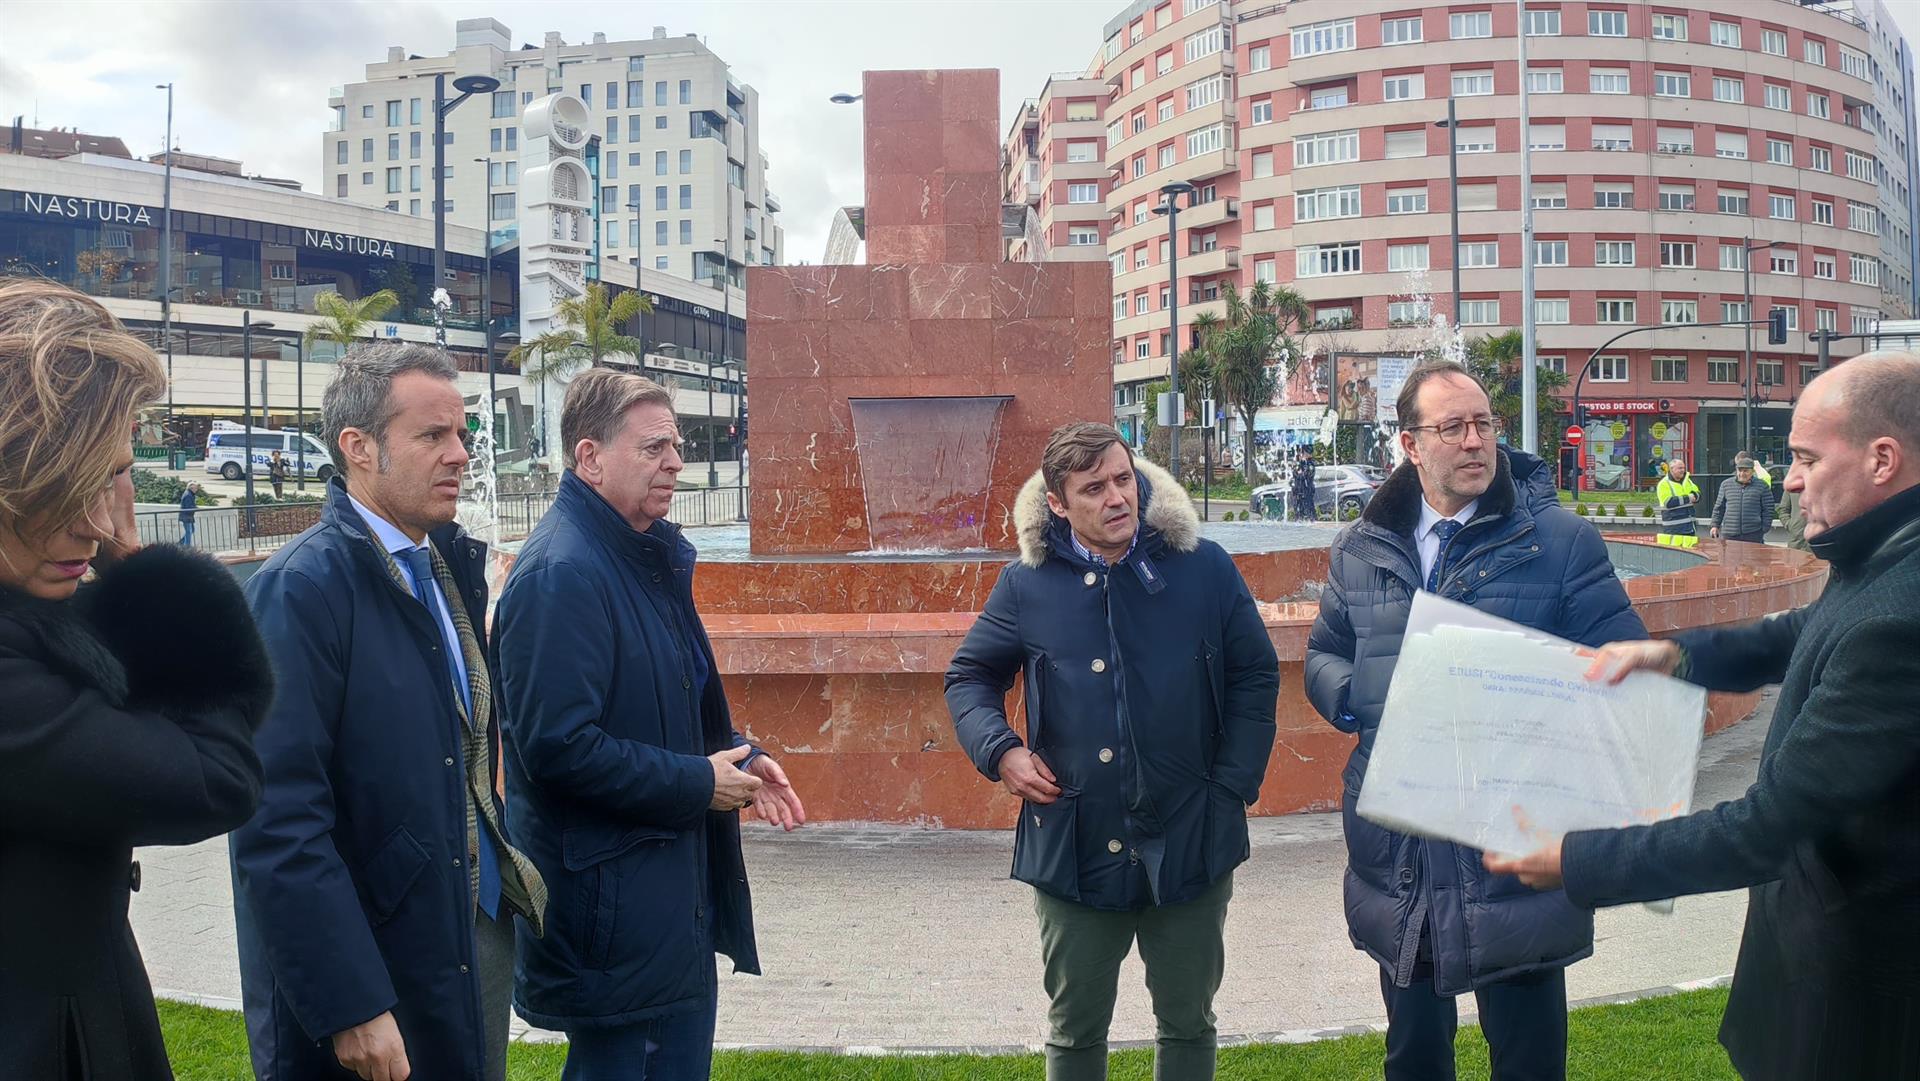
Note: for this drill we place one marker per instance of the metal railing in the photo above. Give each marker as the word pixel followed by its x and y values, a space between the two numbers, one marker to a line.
pixel 692 508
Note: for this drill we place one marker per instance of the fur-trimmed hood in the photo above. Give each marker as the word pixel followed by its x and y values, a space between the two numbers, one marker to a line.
pixel 1165 509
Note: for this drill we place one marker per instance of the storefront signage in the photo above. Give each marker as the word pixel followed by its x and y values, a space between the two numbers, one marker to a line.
pixel 351 245
pixel 66 206
pixel 1642 405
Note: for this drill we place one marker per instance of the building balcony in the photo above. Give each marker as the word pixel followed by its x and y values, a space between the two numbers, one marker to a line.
pixel 1206 263
pixel 1209 214
pixel 1207 166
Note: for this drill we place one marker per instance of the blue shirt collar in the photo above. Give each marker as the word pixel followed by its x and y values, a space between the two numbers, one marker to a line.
pixel 388 534
pixel 1084 553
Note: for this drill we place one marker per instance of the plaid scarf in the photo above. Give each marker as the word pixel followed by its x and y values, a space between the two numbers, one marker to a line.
pixel 521 887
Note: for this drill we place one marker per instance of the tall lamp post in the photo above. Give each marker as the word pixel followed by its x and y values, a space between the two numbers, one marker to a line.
pixel 1453 197
pixel 486 308
pixel 640 275
pixel 166 263
pixel 1171 209
pixel 300 412
pixel 247 325
pixel 468 85
pixel 726 342
pixel 1746 377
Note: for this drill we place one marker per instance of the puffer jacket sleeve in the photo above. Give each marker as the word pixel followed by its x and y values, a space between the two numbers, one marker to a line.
pixel 1594 609
pixel 174 763
pixel 980 675
pixel 1252 690
pixel 1330 648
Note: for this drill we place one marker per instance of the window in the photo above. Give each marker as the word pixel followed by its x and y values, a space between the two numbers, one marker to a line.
pixel 1480 254
pixel 1613 196
pixel 1552 364
pixel 1823 267
pixel 1733 311
pixel 1674 253
pixel 686 91
pixel 1822 213
pixel 686 161
pixel 1259 58
pixel 513 138
pixel 1140 304
pixel 1403 87
pixel 1479 197
pixel 1727 34
pixel 413 178
pixel 1551 196
pixel 1613 253
pixel 1401 313
pixel 1328 147
pixel 1608 81
pixel 1164 112
pixel 1779 151
pixel 1779 97
pixel 1613 137
pixel 1083 193
pixel 1321 203
pixel 586 97
pixel 1862 218
pixel 1791 312
pixel 1863 270
pixel 633 128
pixel 1670 369
pixel 1166 156
pixel 1205 43
pixel 366 178
pixel 1210 139
pixel 1468 84
pixel 340 186
pixel 1140 212
pixel 1400 144
pixel 1673 140
pixel 1549 253
pixel 1205 92
pixel 1083 152
pixel 1679 311
pixel 1820 159
pixel 393 114
pixel 1730 144
pixel 340 153
pixel 1546 80
pixel 1780 207
pixel 1608 370
pixel 1139 121
pixel 1670 28
pixel 1723 370
pixel 1407 201
pixel 1401 31
pixel 1550 312
pixel 1773 41
pixel 1784 263
pixel 502 104
pixel 1139 166
pixel 1320 260
pixel 660 92
pixel 1823 319
pixel 1263 216
pixel 1262 112
pixel 1407 256
pixel 686 231
pixel 1676 197
pixel 1336 316
pixel 1080 236
pixel 1613 311
pixel 1863 321
pixel 1542 24
pixel 366 149
pixel 1480 313
pixel 613 129
pixel 1733 257
pixel 1474 140
pixel 1859 167
pixel 1819 107
pixel 1729 88
pixel 366 112
pixel 1142 349
pixel 1265 271
pixel 1335 36
pixel 1854 63
pixel 1816 52
pixel 1672 84
pixel 1263 164
pixel 393 180
pixel 393 147
pixel 1606 24
pixel 1470 24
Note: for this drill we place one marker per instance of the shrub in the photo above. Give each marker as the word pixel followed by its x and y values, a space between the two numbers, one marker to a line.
pixel 151 487
pixel 1619 510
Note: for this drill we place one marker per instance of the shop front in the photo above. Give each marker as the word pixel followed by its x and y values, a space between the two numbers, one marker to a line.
pixel 1630 441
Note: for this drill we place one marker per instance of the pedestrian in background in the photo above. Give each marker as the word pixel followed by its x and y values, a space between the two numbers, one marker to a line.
pixel 277 473
pixel 189 500
pixel 1743 509
pixel 1678 497
pixel 103 744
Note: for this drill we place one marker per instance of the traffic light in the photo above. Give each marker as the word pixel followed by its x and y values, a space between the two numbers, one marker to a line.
pixel 1777 326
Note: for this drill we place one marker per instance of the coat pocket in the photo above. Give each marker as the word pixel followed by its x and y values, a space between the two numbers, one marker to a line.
pixel 1228 845
pixel 1045 848
pixel 592 854
pixel 388 875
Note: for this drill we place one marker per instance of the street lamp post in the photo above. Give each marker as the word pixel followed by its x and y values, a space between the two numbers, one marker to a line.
pixel 166 264
pixel 640 276
pixel 1746 378
pixel 1171 209
pixel 486 310
pixel 247 325
pixel 1453 197
pixel 726 339
pixel 468 85
pixel 300 411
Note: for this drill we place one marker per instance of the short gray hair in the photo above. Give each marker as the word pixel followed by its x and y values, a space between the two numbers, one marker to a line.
pixel 361 394
pixel 1742 460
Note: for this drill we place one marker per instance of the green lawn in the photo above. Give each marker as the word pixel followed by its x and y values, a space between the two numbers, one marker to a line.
pixel 1671 1038
pixel 1631 499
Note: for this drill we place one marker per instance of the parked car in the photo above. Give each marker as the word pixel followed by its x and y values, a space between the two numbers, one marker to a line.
pixel 1348 487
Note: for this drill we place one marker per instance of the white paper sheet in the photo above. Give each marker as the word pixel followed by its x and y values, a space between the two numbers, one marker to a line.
pixel 1491 736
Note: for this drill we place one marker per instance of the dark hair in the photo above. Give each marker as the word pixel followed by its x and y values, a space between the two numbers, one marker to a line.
pixel 597 404
pixel 1074 448
pixel 1408 404
pixel 361 394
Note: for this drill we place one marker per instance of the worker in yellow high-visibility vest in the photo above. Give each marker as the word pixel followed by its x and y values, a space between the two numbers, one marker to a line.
pixel 1677 496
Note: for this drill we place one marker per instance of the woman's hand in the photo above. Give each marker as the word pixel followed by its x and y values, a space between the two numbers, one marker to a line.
pixel 124 540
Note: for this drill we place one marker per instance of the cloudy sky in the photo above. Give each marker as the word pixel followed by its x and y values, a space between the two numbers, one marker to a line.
pixel 251 76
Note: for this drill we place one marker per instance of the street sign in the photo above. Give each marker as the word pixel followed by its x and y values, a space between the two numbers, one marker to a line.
pixel 1575 436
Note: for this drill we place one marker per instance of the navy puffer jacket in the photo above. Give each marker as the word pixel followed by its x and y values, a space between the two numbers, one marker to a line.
pixel 1525 558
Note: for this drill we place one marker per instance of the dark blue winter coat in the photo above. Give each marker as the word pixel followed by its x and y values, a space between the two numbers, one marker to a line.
pixel 350 895
pixel 1150 692
pixel 1525 558
pixel 602 662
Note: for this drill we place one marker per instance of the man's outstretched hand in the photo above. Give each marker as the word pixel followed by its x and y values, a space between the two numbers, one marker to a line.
pixel 1541 870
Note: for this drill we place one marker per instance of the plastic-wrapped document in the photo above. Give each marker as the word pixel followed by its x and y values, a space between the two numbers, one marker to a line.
pixel 1492 737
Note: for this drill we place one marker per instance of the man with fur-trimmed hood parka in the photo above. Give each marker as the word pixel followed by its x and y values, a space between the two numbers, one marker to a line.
pixel 1150 687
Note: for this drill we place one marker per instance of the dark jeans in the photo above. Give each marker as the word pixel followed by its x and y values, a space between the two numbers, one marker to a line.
pixel 676 1048
pixel 186 532
pixel 1751 538
pixel 1524 1020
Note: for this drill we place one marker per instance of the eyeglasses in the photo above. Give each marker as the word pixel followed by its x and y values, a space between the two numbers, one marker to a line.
pixel 1454 432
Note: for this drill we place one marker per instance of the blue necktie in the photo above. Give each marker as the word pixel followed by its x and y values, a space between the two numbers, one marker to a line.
pixel 1444 529
pixel 420 562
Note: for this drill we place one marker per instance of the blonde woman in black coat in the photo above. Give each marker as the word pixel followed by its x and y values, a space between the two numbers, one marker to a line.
pixel 116 728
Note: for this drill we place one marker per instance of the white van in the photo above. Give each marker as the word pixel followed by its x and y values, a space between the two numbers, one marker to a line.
pixel 229 444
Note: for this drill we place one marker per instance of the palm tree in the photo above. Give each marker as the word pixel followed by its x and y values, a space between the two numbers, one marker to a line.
pixel 587 330
pixel 344 321
pixel 1495 361
pixel 1250 353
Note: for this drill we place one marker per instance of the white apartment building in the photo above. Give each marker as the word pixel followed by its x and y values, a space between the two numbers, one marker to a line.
pixel 682 177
